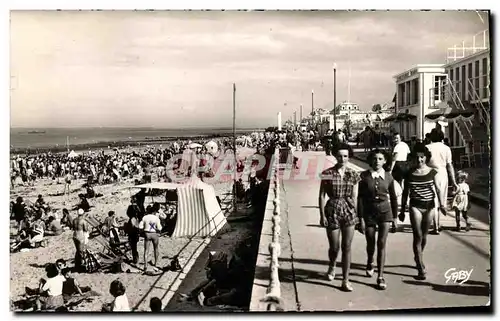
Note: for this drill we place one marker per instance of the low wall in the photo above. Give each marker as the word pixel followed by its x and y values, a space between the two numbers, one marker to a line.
pixel 266 290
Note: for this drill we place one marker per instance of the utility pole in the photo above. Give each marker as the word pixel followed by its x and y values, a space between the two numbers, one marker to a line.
pixel 301 113
pixel 335 97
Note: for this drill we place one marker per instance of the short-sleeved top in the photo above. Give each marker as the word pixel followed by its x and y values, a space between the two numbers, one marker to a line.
pixel 422 186
pixel 402 150
pixel 441 155
pixel 340 188
pixel 150 223
pixel 463 189
pixel 120 304
pixel 54 286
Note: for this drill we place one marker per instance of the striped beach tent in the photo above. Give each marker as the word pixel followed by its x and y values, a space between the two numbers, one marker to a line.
pixel 198 212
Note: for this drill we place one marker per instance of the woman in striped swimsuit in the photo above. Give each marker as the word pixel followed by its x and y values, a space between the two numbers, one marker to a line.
pixel 421 186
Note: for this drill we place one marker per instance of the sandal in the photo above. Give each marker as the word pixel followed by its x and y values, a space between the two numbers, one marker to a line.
pixel 331 273
pixel 381 283
pixel 370 270
pixel 422 275
pixel 346 286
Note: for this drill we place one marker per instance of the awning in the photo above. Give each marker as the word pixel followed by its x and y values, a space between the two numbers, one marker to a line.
pixel 448 111
pixel 400 117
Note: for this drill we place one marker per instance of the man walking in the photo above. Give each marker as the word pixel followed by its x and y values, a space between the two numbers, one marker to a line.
pixel 399 163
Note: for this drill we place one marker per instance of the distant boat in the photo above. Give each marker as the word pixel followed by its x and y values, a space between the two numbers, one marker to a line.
pixel 36 132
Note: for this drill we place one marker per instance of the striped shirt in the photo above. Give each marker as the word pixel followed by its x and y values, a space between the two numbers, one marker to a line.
pixel 422 187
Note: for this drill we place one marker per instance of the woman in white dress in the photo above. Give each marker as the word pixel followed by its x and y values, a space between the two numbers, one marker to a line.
pixel 441 161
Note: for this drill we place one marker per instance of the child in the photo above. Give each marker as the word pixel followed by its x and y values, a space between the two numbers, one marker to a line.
pixel 120 303
pixel 377 208
pixel 71 286
pixel 112 227
pixel 155 304
pixel 61 265
pixel 461 200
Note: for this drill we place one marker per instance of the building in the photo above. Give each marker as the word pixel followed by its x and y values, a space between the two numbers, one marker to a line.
pixel 346 107
pixel 467 85
pixel 413 89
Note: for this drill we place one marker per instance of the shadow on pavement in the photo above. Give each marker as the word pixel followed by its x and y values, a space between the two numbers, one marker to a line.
pixel 470 288
pixel 473 247
pixel 310 206
pixel 314 225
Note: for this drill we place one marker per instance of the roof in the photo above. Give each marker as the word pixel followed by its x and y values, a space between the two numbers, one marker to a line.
pixel 164 186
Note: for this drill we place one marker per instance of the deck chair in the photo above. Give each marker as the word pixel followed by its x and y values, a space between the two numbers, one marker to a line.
pixel 111 248
pixel 97 226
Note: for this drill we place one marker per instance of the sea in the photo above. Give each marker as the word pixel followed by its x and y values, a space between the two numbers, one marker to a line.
pixel 33 138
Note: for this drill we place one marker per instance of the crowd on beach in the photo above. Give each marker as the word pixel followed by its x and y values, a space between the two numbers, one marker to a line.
pixel 37 220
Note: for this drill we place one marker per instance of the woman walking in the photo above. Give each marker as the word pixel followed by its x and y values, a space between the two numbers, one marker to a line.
pixel 377 207
pixel 338 215
pixel 422 186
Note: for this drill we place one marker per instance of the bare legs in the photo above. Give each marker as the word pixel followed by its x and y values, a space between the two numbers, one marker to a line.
pixel 370 235
pixel 420 223
pixel 334 246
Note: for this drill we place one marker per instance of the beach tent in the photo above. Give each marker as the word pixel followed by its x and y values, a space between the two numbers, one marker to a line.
pixel 72 154
pixel 198 212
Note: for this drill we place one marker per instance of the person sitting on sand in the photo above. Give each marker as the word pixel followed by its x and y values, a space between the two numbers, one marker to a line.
pixel 53 227
pixel 67 218
pixel 84 204
pixel 61 265
pixel 71 285
pixel 40 203
pixel 50 289
pixel 120 302
pixel 38 231
pixel 112 226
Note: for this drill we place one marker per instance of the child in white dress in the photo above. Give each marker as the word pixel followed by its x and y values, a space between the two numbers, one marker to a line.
pixel 461 200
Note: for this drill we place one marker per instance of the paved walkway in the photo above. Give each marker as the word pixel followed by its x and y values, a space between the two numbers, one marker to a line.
pixel 459 250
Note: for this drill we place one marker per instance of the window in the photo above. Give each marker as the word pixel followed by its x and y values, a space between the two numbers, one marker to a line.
pixel 462 81
pixel 401 95
pixel 469 77
pixel 457 81
pixel 439 87
pixel 476 79
pixel 450 73
pixel 415 91
pixel 485 78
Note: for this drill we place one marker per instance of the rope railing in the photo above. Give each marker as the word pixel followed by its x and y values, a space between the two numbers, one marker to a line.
pixel 273 295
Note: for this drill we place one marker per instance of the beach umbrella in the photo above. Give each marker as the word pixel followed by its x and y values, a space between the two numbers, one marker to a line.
pixel 195 145
pixel 447 113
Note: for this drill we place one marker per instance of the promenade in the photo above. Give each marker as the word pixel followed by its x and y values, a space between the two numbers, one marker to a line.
pixel 303 271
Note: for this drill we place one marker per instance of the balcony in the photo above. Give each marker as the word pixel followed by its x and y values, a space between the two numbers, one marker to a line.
pixel 465 91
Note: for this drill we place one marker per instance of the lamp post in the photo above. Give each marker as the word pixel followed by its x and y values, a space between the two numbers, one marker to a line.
pixel 312 108
pixel 335 97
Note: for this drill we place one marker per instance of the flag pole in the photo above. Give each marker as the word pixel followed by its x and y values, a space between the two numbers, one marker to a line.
pixel 234 146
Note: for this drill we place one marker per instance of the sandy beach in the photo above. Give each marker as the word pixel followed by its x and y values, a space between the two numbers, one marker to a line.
pixel 26 268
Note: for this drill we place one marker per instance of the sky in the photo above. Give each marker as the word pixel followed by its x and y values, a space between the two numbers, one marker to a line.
pixel 174 69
